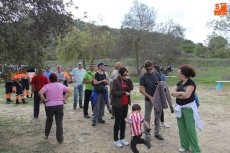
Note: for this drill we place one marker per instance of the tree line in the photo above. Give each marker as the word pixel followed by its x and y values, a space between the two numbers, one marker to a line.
pixel 34 31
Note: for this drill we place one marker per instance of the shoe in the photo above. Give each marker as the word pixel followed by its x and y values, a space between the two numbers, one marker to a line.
pixel 165 125
pixel 60 142
pixel 27 96
pixel 45 137
pixel 81 107
pixel 148 144
pixel 181 149
pixel 87 116
pixel 18 102
pixel 124 142
pixel 10 100
pixel 101 121
pixel 94 123
pixel 118 144
pixel 159 137
pixel 24 102
pixel 74 107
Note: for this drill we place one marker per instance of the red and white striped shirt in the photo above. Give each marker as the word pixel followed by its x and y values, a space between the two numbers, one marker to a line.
pixel 136 120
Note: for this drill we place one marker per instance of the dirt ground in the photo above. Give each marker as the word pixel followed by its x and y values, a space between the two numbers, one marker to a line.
pixel 20 133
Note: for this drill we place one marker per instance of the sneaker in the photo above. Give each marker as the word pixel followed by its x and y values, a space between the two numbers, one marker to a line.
pixel 159 137
pixel 94 123
pixel 165 125
pixel 87 116
pixel 118 144
pixel 148 144
pixel 61 141
pixel 124 142
pixel 181 149
pixel 101 121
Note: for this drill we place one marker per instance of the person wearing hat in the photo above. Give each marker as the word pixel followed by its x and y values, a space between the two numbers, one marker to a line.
pixel 99 82
pixel 78 73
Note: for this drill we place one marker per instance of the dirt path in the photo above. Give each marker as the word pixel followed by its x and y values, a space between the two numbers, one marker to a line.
pixel 20 133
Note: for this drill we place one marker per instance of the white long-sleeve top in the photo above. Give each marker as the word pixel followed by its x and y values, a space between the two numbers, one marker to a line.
pixel 196 116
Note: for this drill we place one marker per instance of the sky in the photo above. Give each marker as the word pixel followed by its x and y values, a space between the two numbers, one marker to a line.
pixel 193 15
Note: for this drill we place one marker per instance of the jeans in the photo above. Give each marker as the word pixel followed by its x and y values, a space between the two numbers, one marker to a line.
pixel 157 116
pixel 157 121
pixel 37 100
pixel 78 91
pixel 56 111
pixel 119 125
pixel 98 108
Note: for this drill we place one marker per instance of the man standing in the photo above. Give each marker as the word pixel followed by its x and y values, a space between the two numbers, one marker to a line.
pixel 8 78
pixel 38 81
pixel 99 83
pixel 60 74
pixel 47 71
pixel 78 74
pixel 114 74
pixel 87 80
pixel 148 83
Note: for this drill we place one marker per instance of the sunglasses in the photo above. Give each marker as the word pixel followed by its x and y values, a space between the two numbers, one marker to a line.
pixel 124 75
pixel 149 69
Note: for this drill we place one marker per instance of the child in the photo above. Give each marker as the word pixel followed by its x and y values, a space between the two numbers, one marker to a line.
pixel 135 120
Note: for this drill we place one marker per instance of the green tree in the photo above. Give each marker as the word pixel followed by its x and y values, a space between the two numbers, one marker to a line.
pixel 26 28
pixel 140 18
pixel 215 43
pixel 200 50
pixel 188 46
pixel 92 43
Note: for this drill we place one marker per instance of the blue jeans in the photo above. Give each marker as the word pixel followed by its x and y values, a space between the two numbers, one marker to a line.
pixel 78 91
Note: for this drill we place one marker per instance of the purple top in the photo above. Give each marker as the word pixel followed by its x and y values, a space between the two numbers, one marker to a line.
pixel 54 93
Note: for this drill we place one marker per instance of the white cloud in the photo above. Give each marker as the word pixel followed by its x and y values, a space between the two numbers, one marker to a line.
pixel 191 14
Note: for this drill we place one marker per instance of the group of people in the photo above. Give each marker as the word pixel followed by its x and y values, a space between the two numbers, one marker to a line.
pixel 17 82
pixel 115 89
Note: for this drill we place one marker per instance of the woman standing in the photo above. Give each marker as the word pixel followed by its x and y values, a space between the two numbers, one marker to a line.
pixel 54 101
pixel 186 109
pixel 120 99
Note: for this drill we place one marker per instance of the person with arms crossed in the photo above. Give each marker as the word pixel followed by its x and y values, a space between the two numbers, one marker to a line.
pixel 186 109
pixel 99 83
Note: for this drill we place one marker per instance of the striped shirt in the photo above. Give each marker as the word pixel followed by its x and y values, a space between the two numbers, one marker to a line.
pixel 135 118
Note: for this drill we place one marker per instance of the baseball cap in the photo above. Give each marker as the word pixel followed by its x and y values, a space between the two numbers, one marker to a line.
pixel 100 64
pixel 79 63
